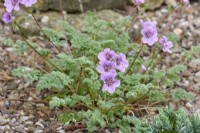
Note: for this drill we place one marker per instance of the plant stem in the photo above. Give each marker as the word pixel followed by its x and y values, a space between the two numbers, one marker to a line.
pixel 79 78
pixel 134 59
pixel 44 32
pixel 40 54
pixel 61 7
pixel 153 58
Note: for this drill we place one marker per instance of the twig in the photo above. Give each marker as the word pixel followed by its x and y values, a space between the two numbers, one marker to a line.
pixel 74 127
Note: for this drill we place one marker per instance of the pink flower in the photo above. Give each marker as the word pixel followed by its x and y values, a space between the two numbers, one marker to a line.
pixel 12 5
pixel 110 83
pixel 186 2
pixel 106 67
pixel 107 54
pixel 149 32
pixel 166 45
pixel 7 17
pixel 28 3
pixel 144 67
pixel 121 62
pixel 138 2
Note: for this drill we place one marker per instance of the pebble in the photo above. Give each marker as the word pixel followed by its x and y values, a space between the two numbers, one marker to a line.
pixel 197 77
pixel 178 31
pixel 197 87
pixel 194 63
pixel 39 124
pixel 24 118
pixel 188 105
pixel 45 19
pixel 38 131
pixel 28 123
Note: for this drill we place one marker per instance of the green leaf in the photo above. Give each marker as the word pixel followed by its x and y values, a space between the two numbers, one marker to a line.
pixel 54 79
pixel 180 94
pixel 27 73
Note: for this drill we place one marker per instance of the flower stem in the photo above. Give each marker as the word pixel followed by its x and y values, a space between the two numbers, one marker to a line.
pixel 61 8
pixel 141 48
pixel 44 32
pixel 45 59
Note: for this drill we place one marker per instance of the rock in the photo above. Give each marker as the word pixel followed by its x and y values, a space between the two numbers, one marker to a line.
pixel 45 19
pixel 197 77
pixel 74 19
pixel 76 5
pixel 38 131
pixel 24 118
pixel 171 2
pixel 178 31
pixel 39 124
pixel 153 4
pixel 188 105
pixel 197 87
pixel 194 63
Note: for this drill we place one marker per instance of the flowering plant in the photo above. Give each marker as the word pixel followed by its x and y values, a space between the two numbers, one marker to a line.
pixel 103 77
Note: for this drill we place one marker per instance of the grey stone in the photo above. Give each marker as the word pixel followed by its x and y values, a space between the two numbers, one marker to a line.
pixel 197 77
pixel 75 5
pixel 194 63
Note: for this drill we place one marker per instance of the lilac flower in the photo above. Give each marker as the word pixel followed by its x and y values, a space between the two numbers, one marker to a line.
pixel 146 24
pixel 186 2
pixel 144 67
pixel 106 67
pixel 131 53
pixel 12 5
pixel 107 54
pixel 149 32
pixel 7 17
pixel 149 35
pixel 110 83
pixel 163 40
pixel 28 3
pixel 138 2
pixel 166 45
pixel 121 62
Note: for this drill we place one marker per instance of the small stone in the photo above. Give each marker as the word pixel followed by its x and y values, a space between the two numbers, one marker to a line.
pixel 3 121
pixel 24 118
pixel 39 124
pixel 61 131
pixel 194 63
pixel 45 19
pixel 197 87
pixel 38 131
pixel 188 105
pixel 178 31
pixel 29 123
pixel 20 129
pixel 197 112
pixel 197 77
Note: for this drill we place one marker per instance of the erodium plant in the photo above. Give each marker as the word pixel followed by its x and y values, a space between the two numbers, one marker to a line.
pixel 103 78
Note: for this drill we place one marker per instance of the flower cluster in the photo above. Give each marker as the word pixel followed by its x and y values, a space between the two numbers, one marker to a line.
pixel 149 36
pixel 108 64
pixel 11 5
